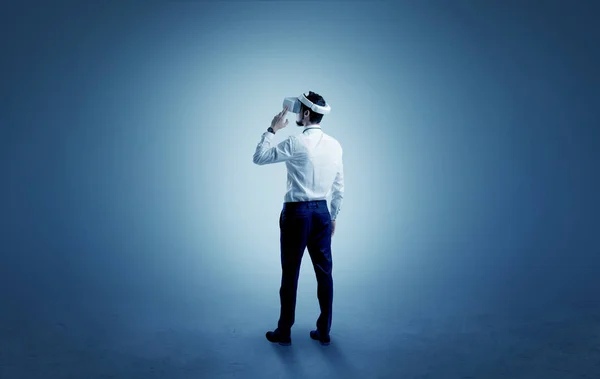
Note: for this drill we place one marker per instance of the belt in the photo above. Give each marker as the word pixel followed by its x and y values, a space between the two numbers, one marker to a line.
pixel 305 204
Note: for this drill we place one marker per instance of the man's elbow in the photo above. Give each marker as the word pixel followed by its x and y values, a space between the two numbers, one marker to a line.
pixel 256 159
pixel 337 195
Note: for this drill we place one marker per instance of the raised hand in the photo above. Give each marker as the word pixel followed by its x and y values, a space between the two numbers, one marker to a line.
pixel 278 120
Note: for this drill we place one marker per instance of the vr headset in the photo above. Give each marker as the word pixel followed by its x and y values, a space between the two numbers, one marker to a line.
pixel 294 105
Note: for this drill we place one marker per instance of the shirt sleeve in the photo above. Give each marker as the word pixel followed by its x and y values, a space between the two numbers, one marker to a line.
pixel 265 153
pixel 337 192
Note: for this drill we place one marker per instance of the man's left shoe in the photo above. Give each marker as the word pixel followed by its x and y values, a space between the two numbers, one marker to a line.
pixel 277 337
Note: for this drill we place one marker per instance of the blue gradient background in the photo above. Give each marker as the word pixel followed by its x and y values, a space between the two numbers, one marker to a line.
pixel 129 199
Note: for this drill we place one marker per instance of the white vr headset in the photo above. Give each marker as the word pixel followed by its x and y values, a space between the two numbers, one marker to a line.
pixel 294 105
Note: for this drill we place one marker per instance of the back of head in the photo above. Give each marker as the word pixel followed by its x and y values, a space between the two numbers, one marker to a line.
pixel 314 117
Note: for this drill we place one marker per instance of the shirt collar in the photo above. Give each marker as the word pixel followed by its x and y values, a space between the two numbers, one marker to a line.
pixel 316 126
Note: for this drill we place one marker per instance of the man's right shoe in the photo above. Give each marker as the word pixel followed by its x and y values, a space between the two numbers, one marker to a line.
pixel 277 337
pixel 323 339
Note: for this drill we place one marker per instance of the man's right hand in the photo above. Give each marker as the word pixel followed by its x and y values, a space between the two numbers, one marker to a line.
pixel 332 227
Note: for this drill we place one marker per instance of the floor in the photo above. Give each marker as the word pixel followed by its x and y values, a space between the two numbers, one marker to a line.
pixel 202 336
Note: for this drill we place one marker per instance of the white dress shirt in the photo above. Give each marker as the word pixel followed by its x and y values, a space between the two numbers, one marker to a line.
pixel 314 165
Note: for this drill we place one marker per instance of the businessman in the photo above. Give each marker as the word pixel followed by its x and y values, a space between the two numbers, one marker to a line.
pixel 314 170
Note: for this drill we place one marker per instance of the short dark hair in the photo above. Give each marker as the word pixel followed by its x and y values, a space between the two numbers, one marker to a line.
pixel 314 117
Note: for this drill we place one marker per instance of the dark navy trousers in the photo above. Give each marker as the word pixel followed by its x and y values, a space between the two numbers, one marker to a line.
pixel 305 225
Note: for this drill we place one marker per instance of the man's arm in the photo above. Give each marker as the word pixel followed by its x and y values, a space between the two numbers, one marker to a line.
pixel 265 154
pixel 337 193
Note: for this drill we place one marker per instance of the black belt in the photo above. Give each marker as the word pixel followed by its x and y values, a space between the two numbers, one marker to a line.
pixel 305 204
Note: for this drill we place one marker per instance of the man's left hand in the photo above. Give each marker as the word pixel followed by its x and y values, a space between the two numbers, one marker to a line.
pixel 278 120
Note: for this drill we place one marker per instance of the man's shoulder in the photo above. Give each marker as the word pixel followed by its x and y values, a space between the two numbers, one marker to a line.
pixel 330 137
pixel 334 140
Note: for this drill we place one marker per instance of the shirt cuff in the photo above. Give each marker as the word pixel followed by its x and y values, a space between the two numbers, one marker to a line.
pixel 269 135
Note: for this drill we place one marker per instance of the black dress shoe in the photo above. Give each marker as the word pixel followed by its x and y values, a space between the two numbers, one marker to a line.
pixel 323 339
pixel 277 337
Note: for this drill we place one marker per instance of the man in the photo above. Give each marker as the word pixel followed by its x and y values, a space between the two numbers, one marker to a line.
pixel 314 170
